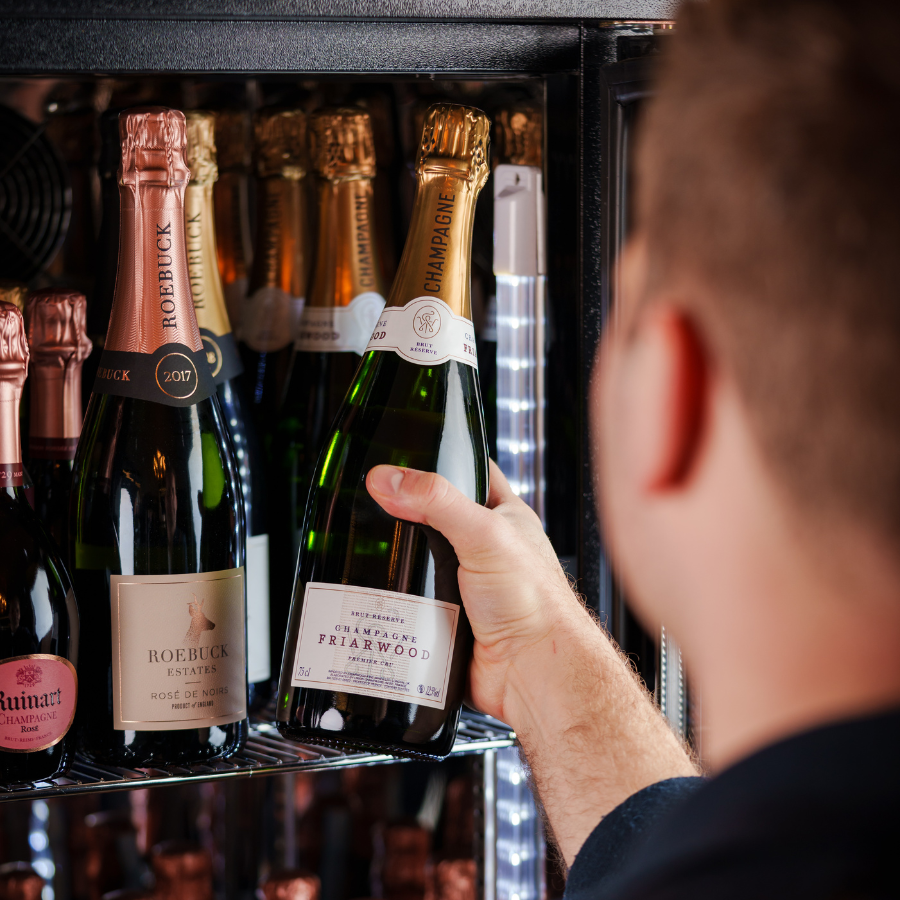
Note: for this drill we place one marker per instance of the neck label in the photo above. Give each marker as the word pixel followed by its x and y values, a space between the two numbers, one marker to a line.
pixel 269 319
pixel 425 331
pixel 339 329
pixel 173 375
pixel 222 355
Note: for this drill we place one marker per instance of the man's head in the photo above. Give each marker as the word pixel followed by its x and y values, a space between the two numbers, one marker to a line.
pixel 755 369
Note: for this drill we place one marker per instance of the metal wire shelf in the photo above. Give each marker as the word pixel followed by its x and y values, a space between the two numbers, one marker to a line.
pixel 265 753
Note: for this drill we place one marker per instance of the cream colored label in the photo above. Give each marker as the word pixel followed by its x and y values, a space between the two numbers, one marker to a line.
pixel 335 329
pixel 269 319
pixel 259 665
pixel 425 331
pixel 375 643
pixel 178 650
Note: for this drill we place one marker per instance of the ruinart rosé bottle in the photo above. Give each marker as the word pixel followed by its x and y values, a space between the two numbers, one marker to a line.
pixel 38 616
pixel 157 530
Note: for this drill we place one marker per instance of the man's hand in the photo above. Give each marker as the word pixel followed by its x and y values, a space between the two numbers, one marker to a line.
pixel 590 732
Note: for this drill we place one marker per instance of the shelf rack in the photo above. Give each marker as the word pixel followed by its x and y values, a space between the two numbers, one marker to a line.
pixel 265 753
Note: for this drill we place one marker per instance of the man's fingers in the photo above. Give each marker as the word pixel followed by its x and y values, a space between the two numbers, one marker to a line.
pixel 500 491
pixel 430 499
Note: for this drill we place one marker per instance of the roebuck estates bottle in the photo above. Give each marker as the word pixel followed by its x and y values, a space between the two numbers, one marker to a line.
pixel 346 299
pixel 277 290
pixel 38 616
pixel 59 346
pixel 157 523
pixel 379 644
pixel 226 367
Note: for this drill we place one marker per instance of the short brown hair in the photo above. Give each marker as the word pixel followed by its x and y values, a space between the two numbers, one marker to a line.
pixel 769 173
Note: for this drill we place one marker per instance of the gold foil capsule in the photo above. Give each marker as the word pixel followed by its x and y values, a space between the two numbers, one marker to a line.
pixel 519 133
pixel 233 128
pixel 456 139
pixel 279 143
pixel 14 292
pixel 341 143
pixel 200 152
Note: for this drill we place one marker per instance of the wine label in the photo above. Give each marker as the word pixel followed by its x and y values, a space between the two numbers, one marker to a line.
pixel 259 664
pixel 178 657
pixel 375 643
pixel 12 474
pixel 173 375
pixel 269 319
pixel 38 694
pixel 222 355
pixel 425 331
pixel 52 448
pixel 336 329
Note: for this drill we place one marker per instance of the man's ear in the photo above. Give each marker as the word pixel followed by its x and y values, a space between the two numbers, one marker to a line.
pixel 667 380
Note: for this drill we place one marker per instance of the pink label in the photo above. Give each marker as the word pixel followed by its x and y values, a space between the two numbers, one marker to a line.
pixel 37 701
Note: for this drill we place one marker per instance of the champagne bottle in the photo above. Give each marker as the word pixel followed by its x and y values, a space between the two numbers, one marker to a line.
pixel 225 364
pixel 157 522
pixel 346 299
pixel 59 347
pixel 379 644
pixel 277 289
pixel 290 884
pixel 106 256
pixel 38 616
pixel 232 208
pixel 18 881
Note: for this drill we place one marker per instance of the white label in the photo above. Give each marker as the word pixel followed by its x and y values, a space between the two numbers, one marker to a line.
pixel 425 331
pixel 375 643
pixel 335 329
pixel 259 663
pixel 178 656
pixel 269 319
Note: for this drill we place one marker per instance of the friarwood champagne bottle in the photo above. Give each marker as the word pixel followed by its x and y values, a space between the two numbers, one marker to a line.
pixel 157 522
pixel 226 368
pixel 277 289
pixel 379 644
pixel 346 299
pixel 59 346
pixel 38 616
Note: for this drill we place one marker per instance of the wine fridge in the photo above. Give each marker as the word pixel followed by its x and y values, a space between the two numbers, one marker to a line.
pixel 302 126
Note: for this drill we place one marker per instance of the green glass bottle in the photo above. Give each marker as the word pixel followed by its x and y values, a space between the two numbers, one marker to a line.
pixel 378 644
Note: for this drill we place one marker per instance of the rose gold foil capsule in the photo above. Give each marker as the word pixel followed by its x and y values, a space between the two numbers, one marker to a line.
pixel 291 884
pixel 341 144
pixel 153 141
pixel 13 352
pixel 183 871
pixel 18 881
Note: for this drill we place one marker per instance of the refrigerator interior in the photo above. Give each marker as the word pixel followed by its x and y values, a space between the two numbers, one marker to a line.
pixel 280 804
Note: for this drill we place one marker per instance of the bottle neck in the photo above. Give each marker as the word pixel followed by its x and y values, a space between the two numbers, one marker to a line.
pixel 152 304
pixel 233 225
pixel 281 257
pixel 347 263
pixel 203 268
pixel 55 410
pixel 11 470
pixel 437 258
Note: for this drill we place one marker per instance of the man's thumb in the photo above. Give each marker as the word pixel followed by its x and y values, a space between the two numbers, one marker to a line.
pixel 429 499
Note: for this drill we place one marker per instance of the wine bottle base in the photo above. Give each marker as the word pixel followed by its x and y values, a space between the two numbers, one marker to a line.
pixel 165 748
pixel 356 744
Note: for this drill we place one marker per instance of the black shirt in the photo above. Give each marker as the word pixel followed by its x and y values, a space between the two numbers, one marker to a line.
pixel 814 816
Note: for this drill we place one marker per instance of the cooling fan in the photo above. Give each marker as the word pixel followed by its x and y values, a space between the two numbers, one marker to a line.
pixel 35 197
